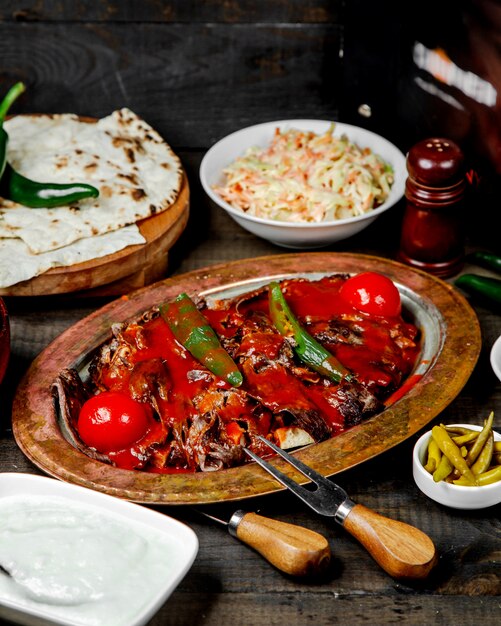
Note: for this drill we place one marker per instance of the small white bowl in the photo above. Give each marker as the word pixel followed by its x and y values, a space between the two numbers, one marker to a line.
pixel 298 235
pixel 453 496
pixel 146 532
pixel 496 357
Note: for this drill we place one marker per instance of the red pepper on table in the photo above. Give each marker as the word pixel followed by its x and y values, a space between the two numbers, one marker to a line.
pixel 194 332
pixel 305 346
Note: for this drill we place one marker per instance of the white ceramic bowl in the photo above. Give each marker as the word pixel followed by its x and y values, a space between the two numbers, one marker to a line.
pixel 298 235
pixel 146 531
pixel 496 357
pixel 453 496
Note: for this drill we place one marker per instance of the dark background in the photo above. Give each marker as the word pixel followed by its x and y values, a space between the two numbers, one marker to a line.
pixel 197 70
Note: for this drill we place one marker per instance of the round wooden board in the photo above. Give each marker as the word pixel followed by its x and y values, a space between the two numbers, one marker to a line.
pixel 160 231
pixel 453 328
pixel 122 271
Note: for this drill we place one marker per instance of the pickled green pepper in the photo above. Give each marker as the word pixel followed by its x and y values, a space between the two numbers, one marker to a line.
pixel 452 452
pixel 480 441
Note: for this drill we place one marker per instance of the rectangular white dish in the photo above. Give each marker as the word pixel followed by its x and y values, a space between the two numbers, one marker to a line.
pixel 75 557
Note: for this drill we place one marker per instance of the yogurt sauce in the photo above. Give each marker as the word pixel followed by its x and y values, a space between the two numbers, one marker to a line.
pixel 79 563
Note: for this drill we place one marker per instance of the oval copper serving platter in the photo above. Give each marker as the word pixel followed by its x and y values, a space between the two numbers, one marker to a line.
pixel 451 347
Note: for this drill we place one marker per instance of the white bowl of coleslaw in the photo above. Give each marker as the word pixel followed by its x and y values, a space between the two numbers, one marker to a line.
pixel 304 183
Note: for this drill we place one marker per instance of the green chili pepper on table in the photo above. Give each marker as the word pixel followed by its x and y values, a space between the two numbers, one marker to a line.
pixel 29 193
pixel 484 286
pixel 305 346
pixel 194 332
pixel 489 260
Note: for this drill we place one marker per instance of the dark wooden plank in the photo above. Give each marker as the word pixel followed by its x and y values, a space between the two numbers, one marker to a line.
pixel 321 608
pixel 192 11
pixel 193 83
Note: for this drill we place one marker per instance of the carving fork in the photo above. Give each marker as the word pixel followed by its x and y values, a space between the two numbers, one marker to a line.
pixel 403 551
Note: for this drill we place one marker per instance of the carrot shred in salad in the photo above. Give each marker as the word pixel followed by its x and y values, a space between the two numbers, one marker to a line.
pixel 305 177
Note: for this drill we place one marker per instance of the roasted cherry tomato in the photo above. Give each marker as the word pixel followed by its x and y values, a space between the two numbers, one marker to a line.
pixel 112 421
pixel 372 293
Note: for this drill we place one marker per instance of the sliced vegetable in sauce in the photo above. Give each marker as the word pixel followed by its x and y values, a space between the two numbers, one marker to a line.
pixel 194 332
pixel 306 347
pixel 308 366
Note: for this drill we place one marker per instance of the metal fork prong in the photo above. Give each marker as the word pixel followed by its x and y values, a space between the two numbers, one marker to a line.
pixel 306 470
pixel 308 497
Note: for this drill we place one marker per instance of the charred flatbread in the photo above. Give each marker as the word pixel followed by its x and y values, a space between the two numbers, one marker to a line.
pixel 137 173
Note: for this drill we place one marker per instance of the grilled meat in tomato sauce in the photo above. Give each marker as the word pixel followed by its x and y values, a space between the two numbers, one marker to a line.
pixel 196 421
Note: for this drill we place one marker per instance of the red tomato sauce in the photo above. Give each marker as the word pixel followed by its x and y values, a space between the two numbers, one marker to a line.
pixel 379 351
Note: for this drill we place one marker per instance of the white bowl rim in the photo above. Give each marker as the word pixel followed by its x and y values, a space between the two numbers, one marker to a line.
pixel 457 488
pixel 398 186
pixel 496 352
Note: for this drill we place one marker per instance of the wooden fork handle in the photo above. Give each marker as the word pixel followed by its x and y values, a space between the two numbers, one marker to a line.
pixel 400 549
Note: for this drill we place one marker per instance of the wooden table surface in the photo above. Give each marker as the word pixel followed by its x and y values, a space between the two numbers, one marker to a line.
pixel 229 583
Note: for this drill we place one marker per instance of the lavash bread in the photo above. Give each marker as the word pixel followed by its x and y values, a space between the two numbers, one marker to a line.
pixel 137 174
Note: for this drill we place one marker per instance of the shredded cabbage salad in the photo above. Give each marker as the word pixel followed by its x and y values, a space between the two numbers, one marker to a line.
pixel 305 177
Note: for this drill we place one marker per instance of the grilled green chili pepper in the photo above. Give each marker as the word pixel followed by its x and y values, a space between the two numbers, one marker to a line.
pixel 13 93
pixel 30 193
pixel 484 286
pixel 305 346
pixel 486 259
pixel 194 332
pixel 36 195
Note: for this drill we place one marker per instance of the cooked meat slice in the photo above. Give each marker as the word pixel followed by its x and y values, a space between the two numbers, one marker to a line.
pixel 150 381
pixel 208 446
pixel 353 401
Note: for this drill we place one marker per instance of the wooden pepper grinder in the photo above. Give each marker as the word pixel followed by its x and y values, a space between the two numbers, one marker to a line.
pixel 432 237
